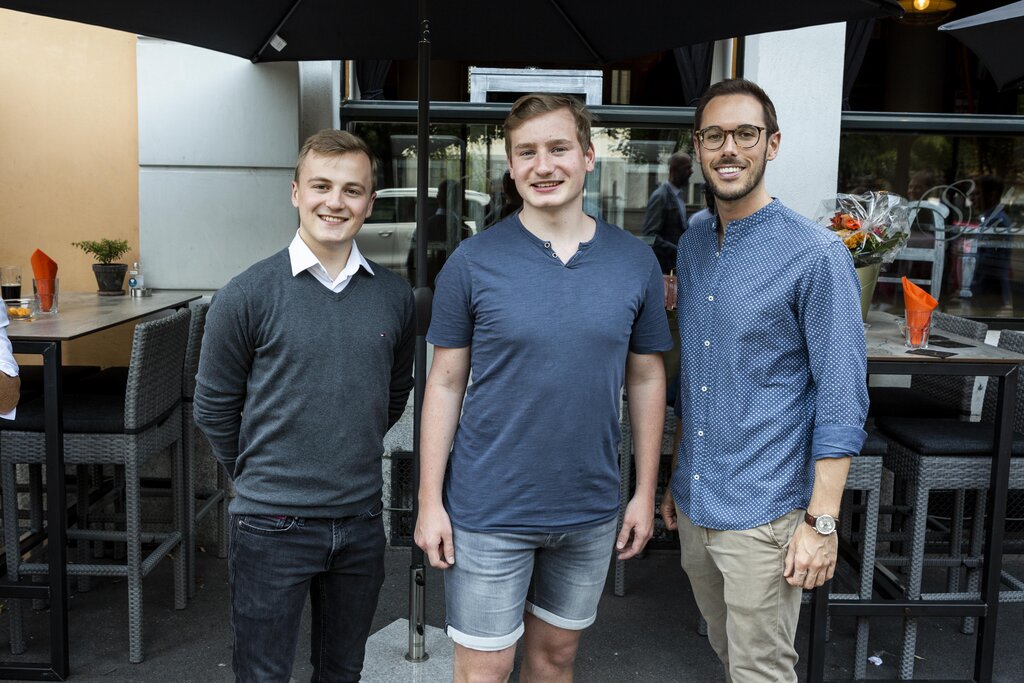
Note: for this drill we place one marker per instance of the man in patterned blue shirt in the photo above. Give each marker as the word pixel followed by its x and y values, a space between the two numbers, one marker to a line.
pixel 772 394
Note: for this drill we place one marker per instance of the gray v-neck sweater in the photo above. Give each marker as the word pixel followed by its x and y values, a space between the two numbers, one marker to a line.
pixel 297 386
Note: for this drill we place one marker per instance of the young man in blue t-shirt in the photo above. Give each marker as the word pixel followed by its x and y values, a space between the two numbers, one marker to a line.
pixel 552 311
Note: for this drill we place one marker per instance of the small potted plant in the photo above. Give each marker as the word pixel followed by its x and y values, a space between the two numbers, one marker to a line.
pixel 109 275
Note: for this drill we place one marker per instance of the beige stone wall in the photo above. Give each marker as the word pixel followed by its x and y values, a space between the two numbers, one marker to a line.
pixel 68 154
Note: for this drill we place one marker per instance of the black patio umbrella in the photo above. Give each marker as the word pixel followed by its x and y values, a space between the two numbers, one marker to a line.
pixel 535 32
pixel 995 36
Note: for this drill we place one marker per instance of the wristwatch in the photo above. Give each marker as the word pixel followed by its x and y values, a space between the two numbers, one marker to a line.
pixel 823 524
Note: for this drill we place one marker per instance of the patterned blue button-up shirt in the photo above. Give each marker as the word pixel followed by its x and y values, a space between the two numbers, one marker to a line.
pixel 772 358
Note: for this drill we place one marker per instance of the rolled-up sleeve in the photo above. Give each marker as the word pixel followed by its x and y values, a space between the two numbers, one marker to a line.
pixel 829 305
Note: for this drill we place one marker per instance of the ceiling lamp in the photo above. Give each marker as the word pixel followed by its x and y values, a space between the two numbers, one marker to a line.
pixel 926 11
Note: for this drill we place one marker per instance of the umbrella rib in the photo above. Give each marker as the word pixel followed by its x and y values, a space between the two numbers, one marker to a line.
pixel 263 48
pixel 583 39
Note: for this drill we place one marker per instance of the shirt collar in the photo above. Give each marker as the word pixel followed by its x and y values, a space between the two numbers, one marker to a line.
pixel 302 259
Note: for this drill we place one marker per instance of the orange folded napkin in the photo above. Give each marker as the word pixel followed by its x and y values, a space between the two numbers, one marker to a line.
pixel 919 305
pixel 43 267
pixel 44 270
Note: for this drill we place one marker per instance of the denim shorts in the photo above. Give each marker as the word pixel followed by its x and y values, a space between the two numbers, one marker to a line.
pixel 557 577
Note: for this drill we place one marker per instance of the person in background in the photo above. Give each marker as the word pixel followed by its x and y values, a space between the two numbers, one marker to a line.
pixel 995 255
pixel 445 229
pixel 10 383
pixel 772 394
pixel 665 218
pixel 552 311
pixel 306 362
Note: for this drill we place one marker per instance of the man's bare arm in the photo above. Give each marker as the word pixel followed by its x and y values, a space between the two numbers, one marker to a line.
pixel 442 406
pixel 645 386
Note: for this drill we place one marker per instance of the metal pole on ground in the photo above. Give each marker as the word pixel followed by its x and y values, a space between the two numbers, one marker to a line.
pixel 423 295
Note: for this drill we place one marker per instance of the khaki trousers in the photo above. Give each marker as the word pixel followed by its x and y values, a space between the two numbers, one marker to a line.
pixel 737 582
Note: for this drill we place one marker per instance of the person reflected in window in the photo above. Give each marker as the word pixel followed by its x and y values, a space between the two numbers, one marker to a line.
pixel 665 218
pixel 994 253
pixel 445 229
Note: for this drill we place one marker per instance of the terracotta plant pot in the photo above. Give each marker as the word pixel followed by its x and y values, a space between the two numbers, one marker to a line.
pixel 110 278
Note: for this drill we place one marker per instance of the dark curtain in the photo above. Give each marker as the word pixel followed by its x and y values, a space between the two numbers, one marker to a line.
pixel 694 64
pixel 371 74
pixel 858 35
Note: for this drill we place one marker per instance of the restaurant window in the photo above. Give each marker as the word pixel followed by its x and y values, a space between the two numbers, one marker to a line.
pixel 977 178
pixel 466 168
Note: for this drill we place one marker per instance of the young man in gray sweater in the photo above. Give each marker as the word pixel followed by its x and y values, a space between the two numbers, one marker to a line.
pixel 306 363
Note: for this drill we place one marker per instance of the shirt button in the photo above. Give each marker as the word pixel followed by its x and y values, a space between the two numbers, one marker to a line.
pixel 707 343
pixel 700 433
pixel 703 388
pixel 696 477
pixel 718 253
pixel 711 298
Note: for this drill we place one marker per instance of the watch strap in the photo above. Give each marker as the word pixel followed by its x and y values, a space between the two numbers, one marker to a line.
pixel 813 521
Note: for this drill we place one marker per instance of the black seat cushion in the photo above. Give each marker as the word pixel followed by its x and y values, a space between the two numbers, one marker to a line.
pixel 83 414
pixel 907 402
pixel 944 437
pixel 111 381
pixel 71 376
pixel 875 444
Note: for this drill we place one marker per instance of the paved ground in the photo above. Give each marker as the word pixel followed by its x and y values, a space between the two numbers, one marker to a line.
pixel 648 635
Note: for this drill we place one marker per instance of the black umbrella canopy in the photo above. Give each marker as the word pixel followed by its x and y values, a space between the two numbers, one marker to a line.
pixel 995 36
pixel 526 31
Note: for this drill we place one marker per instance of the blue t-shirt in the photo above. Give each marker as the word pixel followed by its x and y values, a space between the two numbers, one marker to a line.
pixel 537 445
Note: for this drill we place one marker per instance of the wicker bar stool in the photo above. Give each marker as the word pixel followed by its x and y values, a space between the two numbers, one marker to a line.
pixel 113 381
pixel 933 454
pixel 122 430
pixel 201 503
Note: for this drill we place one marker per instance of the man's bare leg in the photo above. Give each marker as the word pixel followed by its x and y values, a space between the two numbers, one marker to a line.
pixel 476 666
pixel 549 652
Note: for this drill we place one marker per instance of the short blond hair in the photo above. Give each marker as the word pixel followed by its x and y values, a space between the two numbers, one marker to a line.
pixel 331 143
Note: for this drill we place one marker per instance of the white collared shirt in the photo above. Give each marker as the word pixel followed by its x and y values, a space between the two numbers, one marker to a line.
pixel 8 366
pixel 303 258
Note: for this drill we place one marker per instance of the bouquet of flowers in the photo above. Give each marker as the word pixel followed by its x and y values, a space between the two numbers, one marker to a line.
pixel 874 226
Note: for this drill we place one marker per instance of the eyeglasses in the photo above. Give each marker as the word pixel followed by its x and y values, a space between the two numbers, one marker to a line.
pixel 745 136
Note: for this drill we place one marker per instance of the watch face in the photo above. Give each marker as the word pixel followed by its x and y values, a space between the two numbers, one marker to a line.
pixel 825 525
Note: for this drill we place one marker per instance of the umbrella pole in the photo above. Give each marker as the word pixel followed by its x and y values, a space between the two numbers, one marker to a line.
pixel 423 296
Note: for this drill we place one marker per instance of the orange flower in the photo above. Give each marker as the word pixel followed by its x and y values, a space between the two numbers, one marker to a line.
pixel 844 221
pixel 855 240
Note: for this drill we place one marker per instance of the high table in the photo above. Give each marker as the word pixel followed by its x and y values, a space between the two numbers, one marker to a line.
pixel 80 314
pixel 887 355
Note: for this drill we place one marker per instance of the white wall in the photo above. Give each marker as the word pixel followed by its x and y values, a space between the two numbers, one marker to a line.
pixel 802 71
pixel 218 137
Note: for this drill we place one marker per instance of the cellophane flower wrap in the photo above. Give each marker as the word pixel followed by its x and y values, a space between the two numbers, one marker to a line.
pixel 874 226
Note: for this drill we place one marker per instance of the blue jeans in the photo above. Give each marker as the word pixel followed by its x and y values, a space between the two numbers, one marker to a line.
pixel 274 562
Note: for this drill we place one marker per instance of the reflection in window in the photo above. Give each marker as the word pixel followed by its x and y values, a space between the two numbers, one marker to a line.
pixel 631 163
pixel 978 235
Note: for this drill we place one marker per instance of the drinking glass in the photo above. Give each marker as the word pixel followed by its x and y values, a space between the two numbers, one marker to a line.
pixel 46 292
pixel 10 282
pixel 915 330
